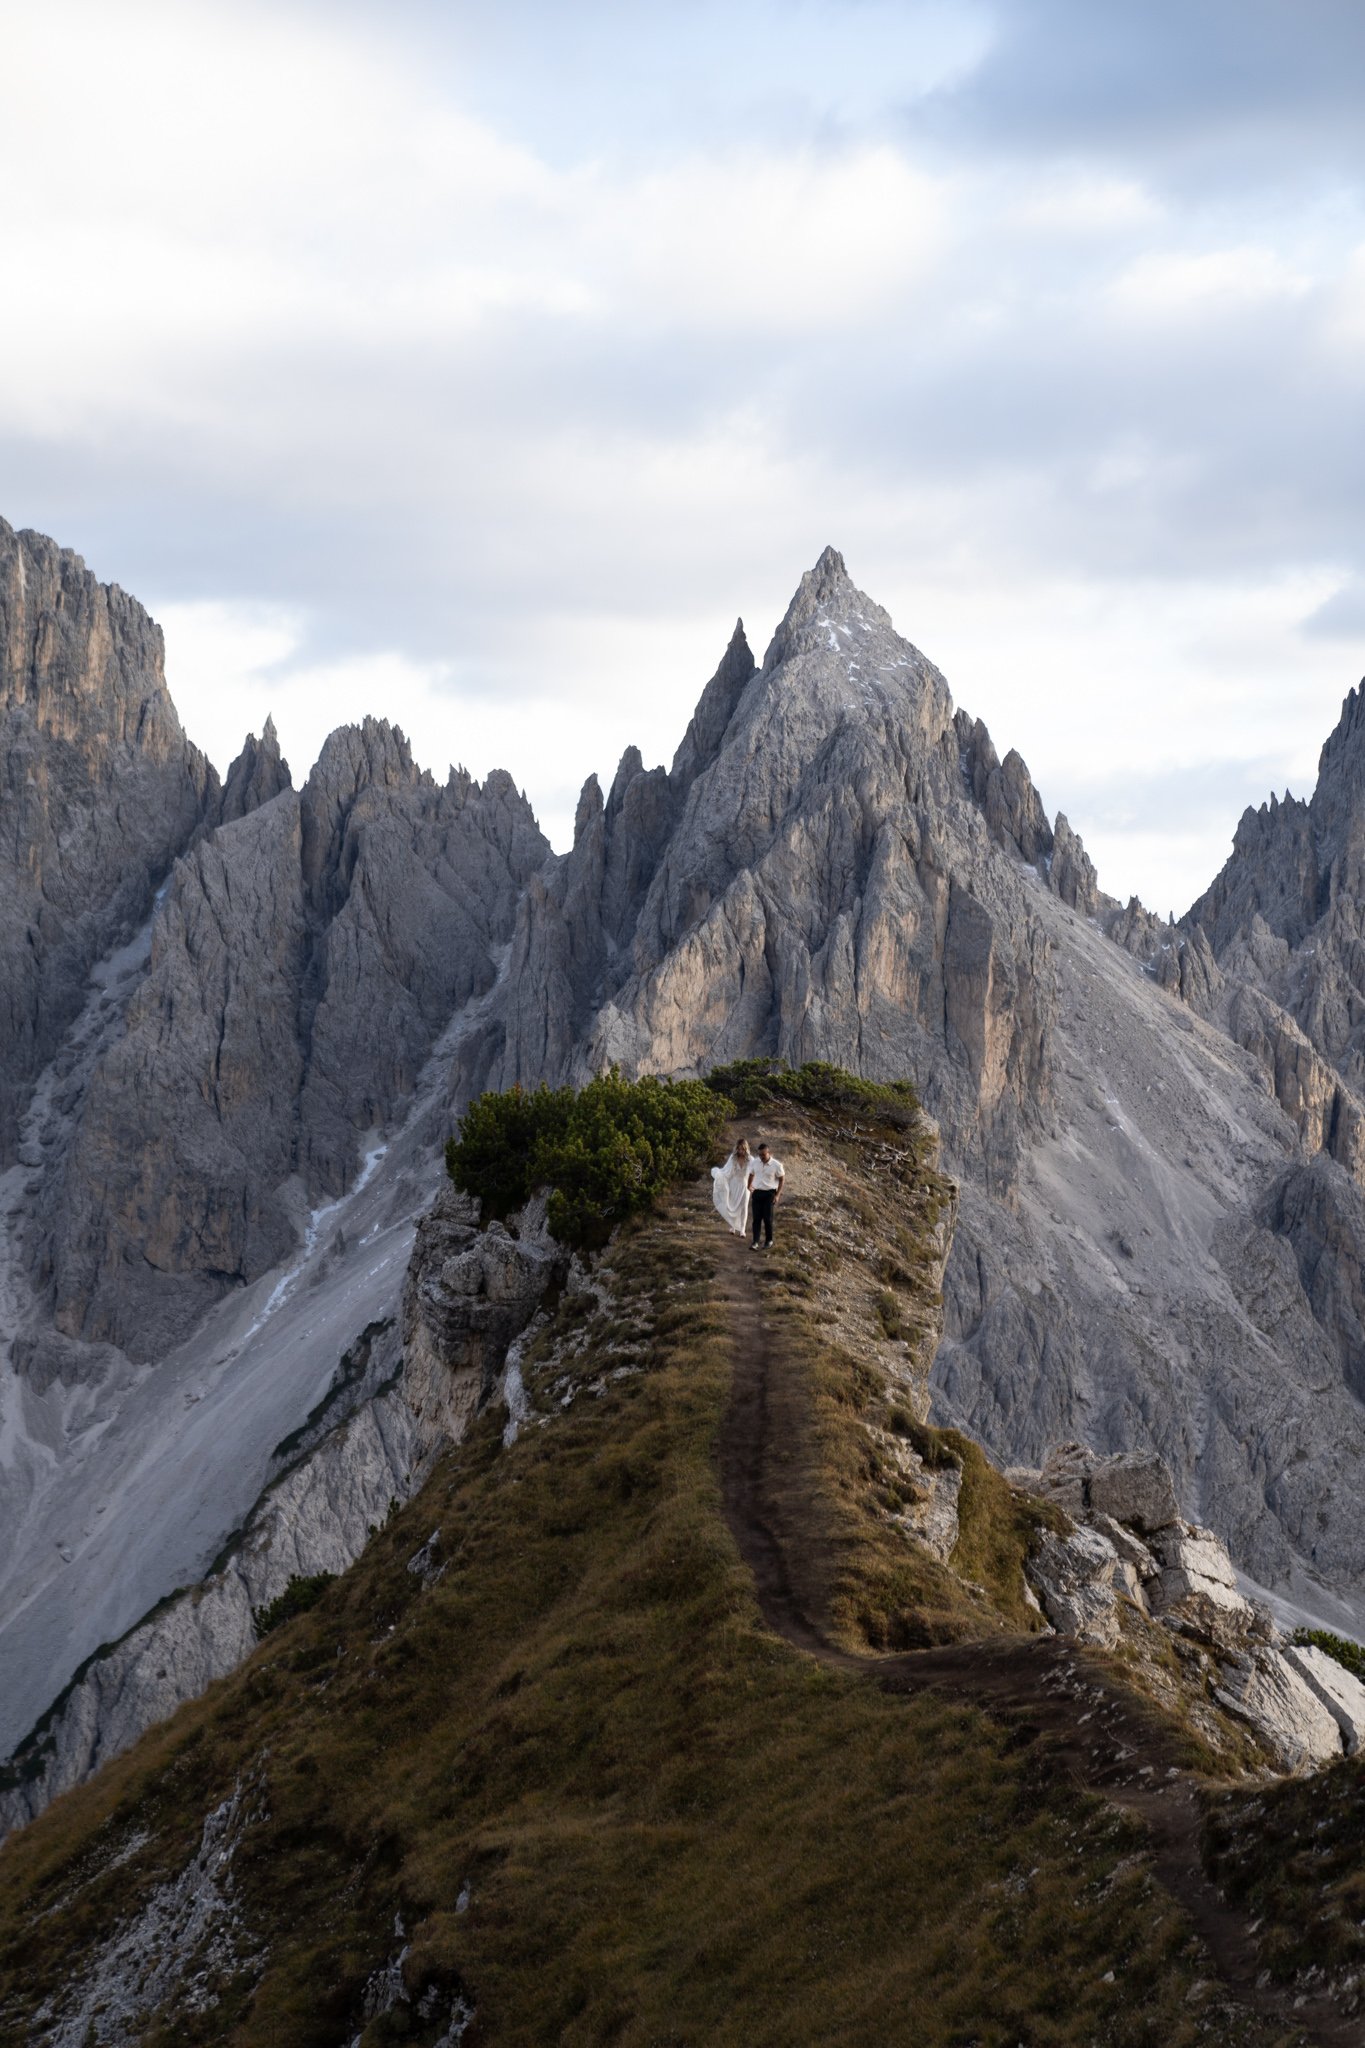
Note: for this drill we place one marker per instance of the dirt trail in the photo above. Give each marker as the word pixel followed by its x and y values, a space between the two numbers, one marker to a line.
pixel 1041 1685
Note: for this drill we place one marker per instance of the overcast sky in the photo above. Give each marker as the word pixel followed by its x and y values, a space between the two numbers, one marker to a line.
pixel 477 364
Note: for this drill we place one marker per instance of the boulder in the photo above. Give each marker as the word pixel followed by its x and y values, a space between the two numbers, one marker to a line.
pixel 1134 1487
pixel 1065 1477
pixel 1128 1486
pixel 1265 1690
pixel 933 1518
pixel 1196 1590
pixel 1073 1576
pixel 1131 1549
pixel 1339 1690
pixel 1197 1585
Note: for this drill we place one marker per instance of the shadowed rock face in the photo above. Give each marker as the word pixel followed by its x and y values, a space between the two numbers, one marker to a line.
pixel 101 791
pixel 307 956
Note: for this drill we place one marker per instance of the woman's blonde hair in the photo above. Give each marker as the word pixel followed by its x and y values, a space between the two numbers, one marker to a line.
pixel 742 1147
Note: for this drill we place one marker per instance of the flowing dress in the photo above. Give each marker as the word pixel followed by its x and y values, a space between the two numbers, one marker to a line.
pixel 730 1192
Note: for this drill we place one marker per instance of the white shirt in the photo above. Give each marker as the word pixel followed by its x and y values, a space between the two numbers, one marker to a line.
pixel 770 1176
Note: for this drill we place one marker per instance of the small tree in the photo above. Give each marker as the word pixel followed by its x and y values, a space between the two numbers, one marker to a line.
pixel 602 1151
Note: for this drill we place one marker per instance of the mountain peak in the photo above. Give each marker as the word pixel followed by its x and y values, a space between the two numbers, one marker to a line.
pixel 716 708
pixel 257 775
pixel 826 597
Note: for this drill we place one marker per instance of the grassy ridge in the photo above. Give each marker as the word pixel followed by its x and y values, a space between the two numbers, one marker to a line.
pixel 665 1826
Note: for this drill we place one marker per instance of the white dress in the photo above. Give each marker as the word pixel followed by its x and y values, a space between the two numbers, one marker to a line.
pixel 730 1192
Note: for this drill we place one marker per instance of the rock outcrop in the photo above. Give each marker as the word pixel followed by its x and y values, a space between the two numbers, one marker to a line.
pixel 1339 1690
pixel 400 1397
pixel 1073 1576
pixel 101 792
pixel 1129 1544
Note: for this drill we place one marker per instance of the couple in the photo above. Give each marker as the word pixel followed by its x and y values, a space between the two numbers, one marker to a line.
pixel 744 1185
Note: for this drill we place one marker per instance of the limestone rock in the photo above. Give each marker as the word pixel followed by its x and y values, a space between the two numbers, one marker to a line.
pixel 258 775
pixel 101 791
pixel 1131 1549
pixel 1137 931
pixel 1073 1576
pixel 1319 1210
pixel 469 1293
pixel 1134 1487
pixel 1339 1690
pixel 1264 1689
pixel 427 1564
pixel 1188 970
pixel 1071 872
pixel 932 1517
pixel 1327 1114
pixel 1194 1559
pixel 307 956
pixel 1197 1587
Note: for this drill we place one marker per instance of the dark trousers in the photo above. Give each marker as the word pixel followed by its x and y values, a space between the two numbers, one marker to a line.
pixel 761 1211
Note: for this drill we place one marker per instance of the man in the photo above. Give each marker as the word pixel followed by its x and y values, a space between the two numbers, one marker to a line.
pixel 765 1186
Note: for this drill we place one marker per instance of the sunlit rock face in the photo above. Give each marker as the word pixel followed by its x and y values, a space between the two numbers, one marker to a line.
pixel 101 791
pixel 841 866
pixel 815 878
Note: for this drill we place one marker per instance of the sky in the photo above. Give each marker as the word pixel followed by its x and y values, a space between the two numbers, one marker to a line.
pixel 477 365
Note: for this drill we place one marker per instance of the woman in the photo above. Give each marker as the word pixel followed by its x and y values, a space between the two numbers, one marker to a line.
pixel 730 1188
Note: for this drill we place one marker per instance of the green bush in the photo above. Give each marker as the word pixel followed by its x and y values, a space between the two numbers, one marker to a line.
pixel 602 1151
pixel 298 1596
pixel 1349 1655
pixel 493 1156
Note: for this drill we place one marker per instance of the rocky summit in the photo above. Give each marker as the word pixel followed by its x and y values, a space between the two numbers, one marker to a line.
pixel 241 1017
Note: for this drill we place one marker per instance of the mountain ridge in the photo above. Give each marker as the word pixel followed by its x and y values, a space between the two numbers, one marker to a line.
pixel 1160 1194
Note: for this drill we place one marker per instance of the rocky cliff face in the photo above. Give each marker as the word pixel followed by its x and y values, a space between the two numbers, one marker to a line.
pixel 101 792
pixel 406 1389
pixel 815 878
pixel 307 956
pixel 1158 1130
pixel 842 867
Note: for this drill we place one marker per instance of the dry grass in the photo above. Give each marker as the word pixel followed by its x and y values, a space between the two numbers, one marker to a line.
pixel 673 1828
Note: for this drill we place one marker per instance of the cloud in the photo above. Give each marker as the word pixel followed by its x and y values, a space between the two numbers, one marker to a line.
pixel 1227 283
pixel 491 361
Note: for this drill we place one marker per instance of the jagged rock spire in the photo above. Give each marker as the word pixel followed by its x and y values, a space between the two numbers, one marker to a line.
pixel 257 775
pixel 719 701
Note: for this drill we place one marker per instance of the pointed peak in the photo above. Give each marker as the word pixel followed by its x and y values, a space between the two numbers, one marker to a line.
pixel 1343 745
pixel 701 742
pixel 589 807
pixel 826 597
pixel 630 765
pixel 258 774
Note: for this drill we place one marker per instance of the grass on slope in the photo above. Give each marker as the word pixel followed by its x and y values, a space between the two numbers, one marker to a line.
pixel 665 1826
pixel 853 1286
pixel 1293 1854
